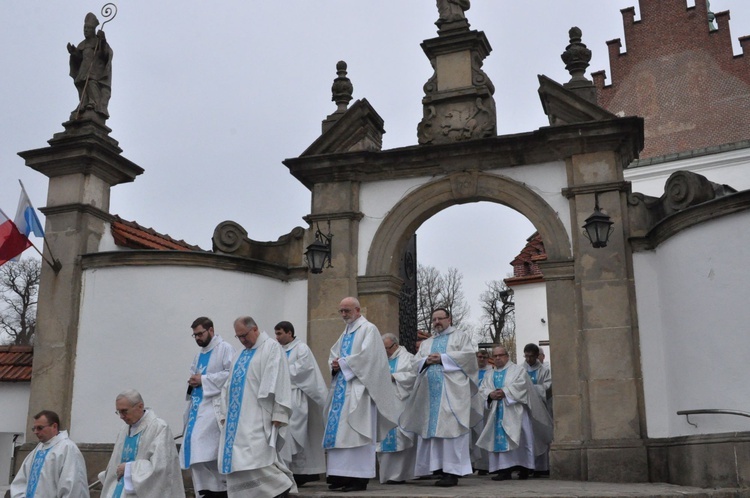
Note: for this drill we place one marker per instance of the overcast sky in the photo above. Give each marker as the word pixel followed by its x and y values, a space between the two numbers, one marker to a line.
pixel 210 96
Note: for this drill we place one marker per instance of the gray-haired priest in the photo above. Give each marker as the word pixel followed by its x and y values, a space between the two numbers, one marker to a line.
pixel 361 408
pixel 144 461
pixel 256 403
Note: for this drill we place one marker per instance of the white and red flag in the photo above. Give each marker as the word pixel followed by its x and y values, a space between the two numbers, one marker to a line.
pixel 12 242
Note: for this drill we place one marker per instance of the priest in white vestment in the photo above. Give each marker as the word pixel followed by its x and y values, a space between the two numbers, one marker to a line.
pixel 397 453
pixel 541 377
pixel 479 456
pixel 440 410
pixel 518 427
pixel 55 468
pixel 256 403
pixel 144 462
pixel 303 452
pixel 200 444
pixel 360 409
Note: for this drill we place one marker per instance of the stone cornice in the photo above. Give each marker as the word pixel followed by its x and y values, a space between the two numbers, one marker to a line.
pixel 343 215
pixel 554 143
pixel 557 270
pixel 77 208
pixel 379 284
pixel 592 188
pixel 682 220
pixel 699 439
pixel 192 259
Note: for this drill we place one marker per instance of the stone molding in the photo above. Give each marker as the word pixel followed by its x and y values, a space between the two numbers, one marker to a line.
pixel 231 238
pixel 690 217
pixel 77 208
pixel 379 284
pixel 343 215
pixel 193 259
pixel 406 216
pixel 624 136
pixel 557 270
pixel 595 188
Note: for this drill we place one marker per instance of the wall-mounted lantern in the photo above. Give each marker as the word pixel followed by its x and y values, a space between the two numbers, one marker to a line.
pixel 598 227
pixel 318 253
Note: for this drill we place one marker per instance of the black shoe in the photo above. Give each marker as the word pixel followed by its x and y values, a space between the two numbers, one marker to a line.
pixel 285 494
pixel 447 481
pixel 302 479
pixel 503 476
pixel 389 481
pixel 523 473
pixel 337 482
pixel 482 472
pixel 356 484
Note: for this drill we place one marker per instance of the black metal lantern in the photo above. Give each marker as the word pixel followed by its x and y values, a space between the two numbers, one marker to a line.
pixel 598 227
pixel 318 253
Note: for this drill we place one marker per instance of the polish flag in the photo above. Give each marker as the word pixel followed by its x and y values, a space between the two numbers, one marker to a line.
pixel 12 242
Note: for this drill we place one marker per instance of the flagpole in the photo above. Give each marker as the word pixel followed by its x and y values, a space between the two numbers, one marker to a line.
pixel 55 265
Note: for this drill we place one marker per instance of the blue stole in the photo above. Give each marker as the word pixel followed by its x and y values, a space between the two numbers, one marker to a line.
pixel 339 394
pixel 288 352
pixel 481 375
pixel 196 397
pixel 533 375
pixel 129 450
pixel 501 438
pixel 389 443
pixel 435 380
pixel 236 391
pixel 36 471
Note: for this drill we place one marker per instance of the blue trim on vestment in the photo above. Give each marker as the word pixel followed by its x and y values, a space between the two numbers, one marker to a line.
pixel 129 451
pixel 236 391
pixel 339 395
pixel 533 375
pixel 435 378
pixel 389 443
pixel 196 398
pixel 501 438
pixel 36 471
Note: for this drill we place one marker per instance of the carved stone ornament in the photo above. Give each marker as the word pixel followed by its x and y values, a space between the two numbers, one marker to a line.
pixel 228 237
pixel 464 185
pixel 460 121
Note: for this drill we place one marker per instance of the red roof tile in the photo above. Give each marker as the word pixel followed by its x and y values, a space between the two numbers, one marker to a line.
pixel 15 363
pixel 134 236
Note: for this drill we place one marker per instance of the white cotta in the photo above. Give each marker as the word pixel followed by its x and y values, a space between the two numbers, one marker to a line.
pixel 63 472
pixel 155 472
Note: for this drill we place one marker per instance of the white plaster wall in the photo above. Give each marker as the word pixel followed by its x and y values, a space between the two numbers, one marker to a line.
pixel 531 309
pixel 378 198
pixel 135 333
pixel 14 400
pixel 728 168
pixel 693 315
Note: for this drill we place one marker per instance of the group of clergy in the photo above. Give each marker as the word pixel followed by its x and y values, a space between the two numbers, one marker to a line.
pixel 261 421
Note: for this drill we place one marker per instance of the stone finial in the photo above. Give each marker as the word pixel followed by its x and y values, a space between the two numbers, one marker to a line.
pixel 576 56
pixel 342 88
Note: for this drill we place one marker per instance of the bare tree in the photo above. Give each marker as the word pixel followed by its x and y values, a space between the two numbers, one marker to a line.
pixel 498 324
pixel 438 290
pixel 19 286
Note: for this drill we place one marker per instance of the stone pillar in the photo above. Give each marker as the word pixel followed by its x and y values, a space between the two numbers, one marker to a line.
pixel 337 203
pixel 82 164
pixel 605 350
pixel 458 103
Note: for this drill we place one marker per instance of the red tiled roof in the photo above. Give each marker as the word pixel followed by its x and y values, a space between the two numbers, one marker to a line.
pixel 15 363
pixel 525 265
pixel 134 236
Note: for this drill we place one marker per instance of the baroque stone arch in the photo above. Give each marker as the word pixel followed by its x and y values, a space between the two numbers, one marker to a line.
pixel 461 188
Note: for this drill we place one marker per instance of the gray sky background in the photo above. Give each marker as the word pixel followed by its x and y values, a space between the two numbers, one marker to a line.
pixel 210 97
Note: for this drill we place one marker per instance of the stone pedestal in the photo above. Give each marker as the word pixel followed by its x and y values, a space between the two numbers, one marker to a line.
pixel 458 103
pixel 82 164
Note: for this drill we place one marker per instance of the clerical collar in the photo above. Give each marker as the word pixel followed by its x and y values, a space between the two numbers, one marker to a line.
pixel 137 424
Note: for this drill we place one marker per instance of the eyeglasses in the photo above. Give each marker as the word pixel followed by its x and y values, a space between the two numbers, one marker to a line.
pixel 438 318
pixel 345 310
pixel 391 346
pixel 242 336
pixel 37 428
pixel 198 334
pixel 499 355
pixel 124 411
